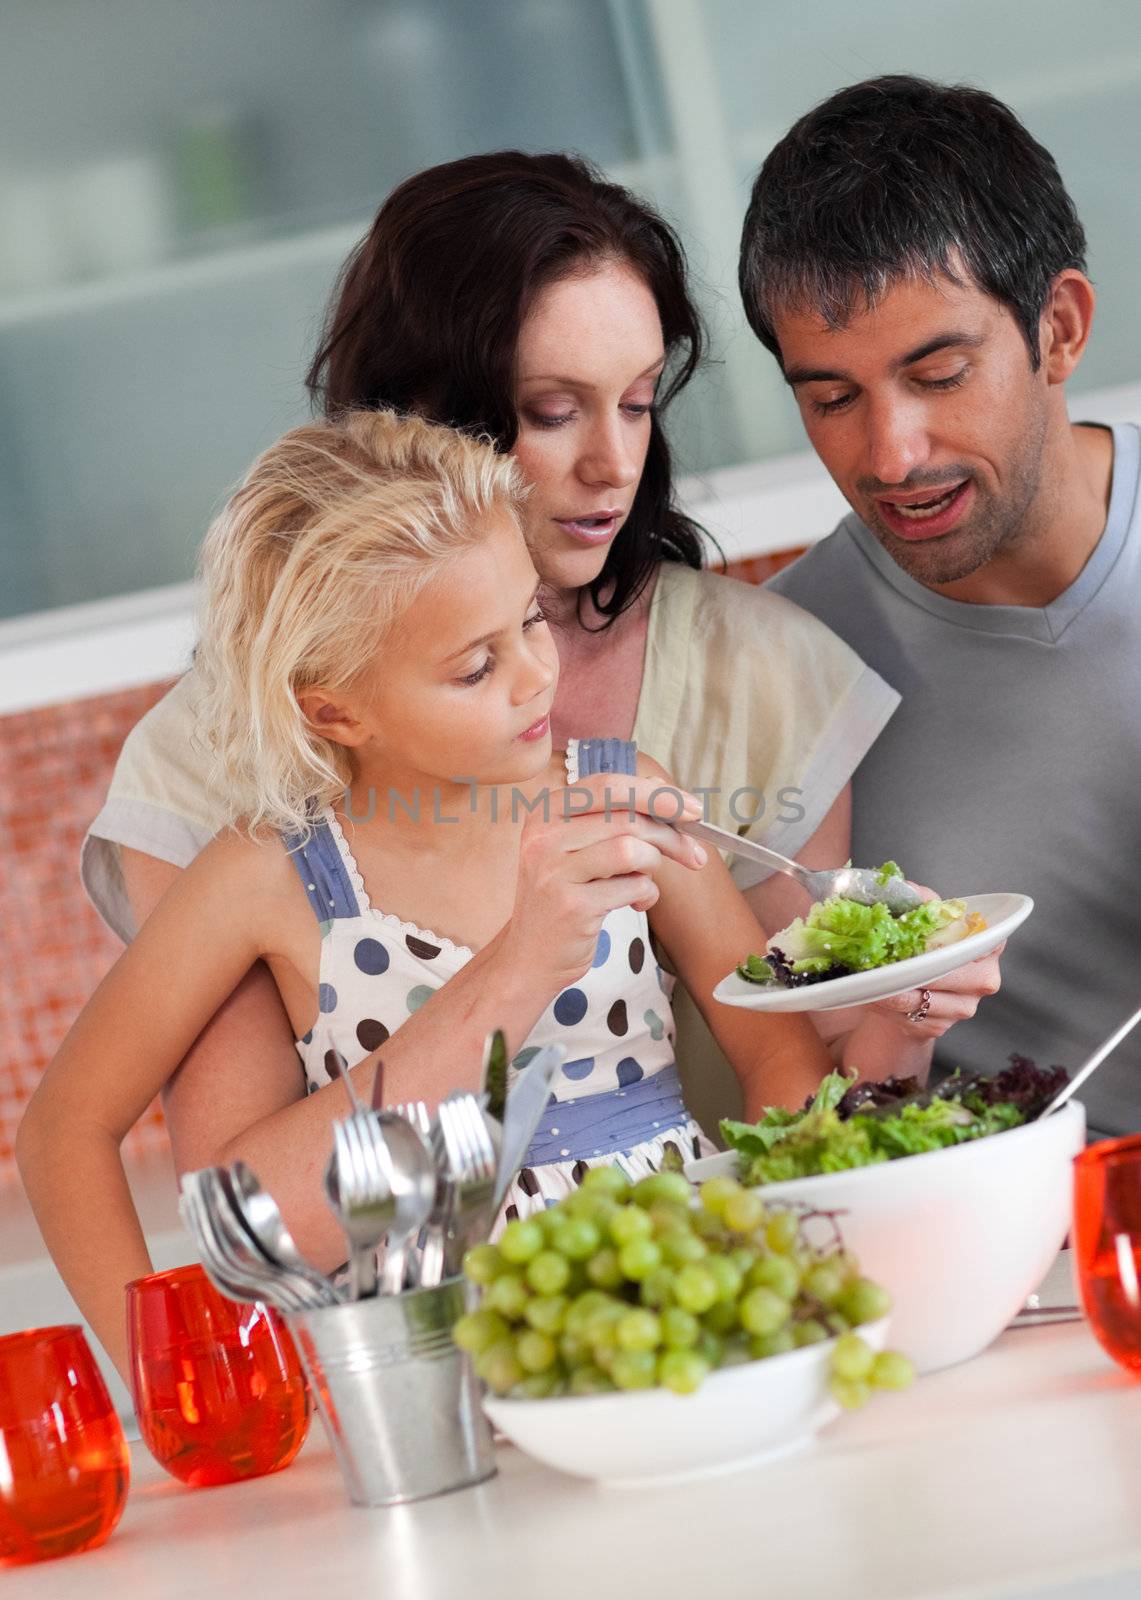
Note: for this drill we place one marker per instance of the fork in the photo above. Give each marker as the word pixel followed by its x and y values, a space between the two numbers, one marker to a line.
pixel 362 1201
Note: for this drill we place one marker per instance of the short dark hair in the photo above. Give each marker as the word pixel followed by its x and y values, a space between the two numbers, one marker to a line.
pixel 889 179
pixel 427 312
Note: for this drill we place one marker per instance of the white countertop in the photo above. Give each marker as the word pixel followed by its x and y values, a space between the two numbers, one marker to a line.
pixel 1017 1474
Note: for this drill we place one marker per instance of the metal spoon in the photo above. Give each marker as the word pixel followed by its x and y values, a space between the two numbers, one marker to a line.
pixel 861 884
pixel 411 1174
pixel 261 1214
pixel 1093 1062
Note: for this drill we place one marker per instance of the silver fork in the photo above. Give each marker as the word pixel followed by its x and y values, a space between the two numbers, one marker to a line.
pixel 361 1199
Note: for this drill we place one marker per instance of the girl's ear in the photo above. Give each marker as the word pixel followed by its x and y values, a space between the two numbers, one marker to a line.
pixel 332 718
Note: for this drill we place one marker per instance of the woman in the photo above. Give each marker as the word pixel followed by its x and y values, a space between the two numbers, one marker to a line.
pixel 525 298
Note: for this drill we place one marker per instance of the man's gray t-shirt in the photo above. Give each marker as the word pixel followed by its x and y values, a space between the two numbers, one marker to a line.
pixel 1013 764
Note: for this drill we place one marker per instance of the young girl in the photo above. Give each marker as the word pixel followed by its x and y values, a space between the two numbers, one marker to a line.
pixel 377 674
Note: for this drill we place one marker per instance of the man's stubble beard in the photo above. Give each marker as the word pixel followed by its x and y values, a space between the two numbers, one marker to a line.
pixel 994 526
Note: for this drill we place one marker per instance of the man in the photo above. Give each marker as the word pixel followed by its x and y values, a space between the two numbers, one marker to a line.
pixel 913 261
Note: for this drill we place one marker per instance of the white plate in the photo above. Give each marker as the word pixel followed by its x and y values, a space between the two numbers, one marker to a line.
pixel 1001 912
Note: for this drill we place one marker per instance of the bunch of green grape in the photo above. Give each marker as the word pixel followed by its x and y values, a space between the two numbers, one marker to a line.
pixel 624 1286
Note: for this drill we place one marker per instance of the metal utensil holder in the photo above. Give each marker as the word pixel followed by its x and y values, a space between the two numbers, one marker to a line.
pixel 399 1400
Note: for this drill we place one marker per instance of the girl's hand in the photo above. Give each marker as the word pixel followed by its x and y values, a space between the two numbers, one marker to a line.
pixel 579 860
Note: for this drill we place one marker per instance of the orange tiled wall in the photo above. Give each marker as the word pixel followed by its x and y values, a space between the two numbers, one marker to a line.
pixel 55 765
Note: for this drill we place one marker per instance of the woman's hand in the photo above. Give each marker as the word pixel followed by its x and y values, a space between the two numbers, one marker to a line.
pixel 579 861
pixel 928 1012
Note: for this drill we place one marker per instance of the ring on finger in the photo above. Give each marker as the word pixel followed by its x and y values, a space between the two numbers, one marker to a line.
pixel 921 1010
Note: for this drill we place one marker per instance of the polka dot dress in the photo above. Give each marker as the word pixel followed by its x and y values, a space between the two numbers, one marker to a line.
pixel 615 1023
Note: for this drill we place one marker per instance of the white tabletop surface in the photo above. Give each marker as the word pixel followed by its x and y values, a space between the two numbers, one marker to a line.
pixel 1016 1474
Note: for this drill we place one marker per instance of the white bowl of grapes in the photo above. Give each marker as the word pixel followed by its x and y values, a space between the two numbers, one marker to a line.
pixel 956 1199
pixel 643 1333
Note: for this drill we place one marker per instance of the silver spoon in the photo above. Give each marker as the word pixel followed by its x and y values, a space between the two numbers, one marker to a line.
pixel 261 1214
pixel 861 884
pixel 412 1181
pixel 1093 1062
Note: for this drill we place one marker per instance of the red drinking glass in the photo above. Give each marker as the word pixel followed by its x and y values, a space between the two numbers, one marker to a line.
pixel 64 1466
pixel 1107 1244
pixel 218 1388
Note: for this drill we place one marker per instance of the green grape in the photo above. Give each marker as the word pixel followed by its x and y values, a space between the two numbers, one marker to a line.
pixel 772 1344
pixel 727 1277
pixel 578 1238
pixel 478 1330
pixel 603 1269
pixel 716 1191
pixel 639 1258
pixel 824 1283
pixel 679 1246
pixel 546 1313
pixel 573 1349
pixel 629 1223
pixel 499 1366
pixel 683 1371
pixel 482 1264
pixel 522 1239
pixel 695 1287
pixel 671 1187
pixel 603 1356
pixel 639 1329
pixel 708 1227
pixel 851 1395
pixel 548 1272
pixel 602 1324
pixel 743 1211
pixel 590 1380
pixel 583 1308
pixel 744 1258
pixel 864 1301
pixel 634 1369
pixel 606 1180
pixel 891 1370
pixel 668 1218
pixel 624 1287
pixel 539 1385
pixel 657 1287
pixel 680 1329
pixel 777 1273
pixel 536 1352
pixel 723 1317
pixel 782 1231
pixel 852 1358
pixel 710 1347
pixel 762 1311
pixel 508 1294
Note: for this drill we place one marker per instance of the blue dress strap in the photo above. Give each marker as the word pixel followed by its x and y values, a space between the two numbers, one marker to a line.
pixel 607 755
pixel 322 871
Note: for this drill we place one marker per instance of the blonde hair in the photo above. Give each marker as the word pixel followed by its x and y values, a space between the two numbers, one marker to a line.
pixel 328 539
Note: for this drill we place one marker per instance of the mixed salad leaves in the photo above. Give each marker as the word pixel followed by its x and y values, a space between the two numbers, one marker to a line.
pixel 840 936
pixel 848 1124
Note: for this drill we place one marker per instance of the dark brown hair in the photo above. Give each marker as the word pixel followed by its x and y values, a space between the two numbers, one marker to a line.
pixel 896 177
pixel 426 316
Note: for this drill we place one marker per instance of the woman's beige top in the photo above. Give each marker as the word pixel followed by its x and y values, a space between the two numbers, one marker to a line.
pixel 744 695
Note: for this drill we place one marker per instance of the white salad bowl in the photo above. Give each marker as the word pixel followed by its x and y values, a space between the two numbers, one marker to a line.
pixel 741 1416
pixel 959 1237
